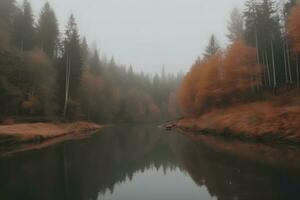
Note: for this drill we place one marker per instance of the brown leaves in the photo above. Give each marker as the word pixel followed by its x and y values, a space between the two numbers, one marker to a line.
pixel 294 28
pixel 220 80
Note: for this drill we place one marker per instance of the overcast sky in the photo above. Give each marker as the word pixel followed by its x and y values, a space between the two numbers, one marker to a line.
pixel 148 34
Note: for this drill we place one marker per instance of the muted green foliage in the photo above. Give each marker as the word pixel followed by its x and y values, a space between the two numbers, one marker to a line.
pixel 38 71
pixel 265 29
pixel 23 30
pixel 47 31
pixel 212 47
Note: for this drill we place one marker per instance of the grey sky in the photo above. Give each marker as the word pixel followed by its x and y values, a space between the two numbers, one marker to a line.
pixel 148 33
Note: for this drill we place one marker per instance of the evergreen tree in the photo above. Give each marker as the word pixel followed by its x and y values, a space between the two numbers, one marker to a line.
pixel 262 31
pixel 7 8
pixel 84 51
pixel 47 31
pixel 72 63
pixel 212 48
pixel 23 28
pixel 235 26
pixel 261 23
pixel 95 64
pixel 250 15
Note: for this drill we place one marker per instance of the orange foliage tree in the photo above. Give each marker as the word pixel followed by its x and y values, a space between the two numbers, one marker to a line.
pixel 223 79
pixel 294 28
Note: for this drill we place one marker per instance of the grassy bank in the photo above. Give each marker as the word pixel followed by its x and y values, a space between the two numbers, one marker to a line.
pixel 38 132
pixel 259 120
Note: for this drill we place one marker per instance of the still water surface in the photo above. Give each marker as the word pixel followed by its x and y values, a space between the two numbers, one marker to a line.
pixel 142 162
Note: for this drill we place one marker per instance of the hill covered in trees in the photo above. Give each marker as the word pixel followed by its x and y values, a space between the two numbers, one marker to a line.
pixel 250 88
pixel 47 74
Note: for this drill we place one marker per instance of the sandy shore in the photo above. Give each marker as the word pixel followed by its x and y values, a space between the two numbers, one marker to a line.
pixel 38 132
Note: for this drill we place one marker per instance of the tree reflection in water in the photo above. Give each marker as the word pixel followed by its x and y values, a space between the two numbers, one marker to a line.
pixel 83 169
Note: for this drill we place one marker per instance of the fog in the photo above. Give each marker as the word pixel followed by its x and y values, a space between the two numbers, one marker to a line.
pixel 148 34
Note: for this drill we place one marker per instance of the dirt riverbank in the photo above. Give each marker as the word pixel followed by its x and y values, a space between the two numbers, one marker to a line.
pixel 38 132
pixel 258 121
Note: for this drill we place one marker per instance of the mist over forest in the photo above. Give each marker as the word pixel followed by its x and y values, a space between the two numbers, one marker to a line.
pixel 45 74
pixel 250 87
pixel 48 73
pixel 77 124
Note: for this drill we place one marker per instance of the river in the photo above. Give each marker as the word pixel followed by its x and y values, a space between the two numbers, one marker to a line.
pixel 143 162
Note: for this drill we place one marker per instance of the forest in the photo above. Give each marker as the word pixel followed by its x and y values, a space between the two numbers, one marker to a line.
pixel 252 86
pixel 77 124
pixel 51 74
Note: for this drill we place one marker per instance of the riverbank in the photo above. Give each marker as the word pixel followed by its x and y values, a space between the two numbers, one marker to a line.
pixel 38 132
pixel 258 121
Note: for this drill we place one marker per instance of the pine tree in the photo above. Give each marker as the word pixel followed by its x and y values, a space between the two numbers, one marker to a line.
pixel 212 48
pixel 72 61
pixel 250 15
pixel 47 31
pixel 262 31
pixel 235 26
pixel 23 28
pixel 95 64
pixel 84 51
pixel 7 8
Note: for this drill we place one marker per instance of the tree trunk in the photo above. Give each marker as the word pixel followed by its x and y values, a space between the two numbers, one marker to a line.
pixel 273 63
pixel 258 60
pixel 285 63
pixel 265 79
pixel 297 67
pixel 289 65
pixel 268 68
pixel 68 70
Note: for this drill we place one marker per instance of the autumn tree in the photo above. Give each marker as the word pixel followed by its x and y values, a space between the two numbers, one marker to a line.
pixel 42 75
pixel 294 32
pixel 288 6
pixel 202 88
pixel 39 82
pixel 294 28
pixel 27 83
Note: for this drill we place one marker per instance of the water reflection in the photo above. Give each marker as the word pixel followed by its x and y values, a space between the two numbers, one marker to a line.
pixel 134 162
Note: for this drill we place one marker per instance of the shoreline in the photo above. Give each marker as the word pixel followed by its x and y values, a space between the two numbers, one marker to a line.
pixel 246 122
pixel 267 139
pixel 30 133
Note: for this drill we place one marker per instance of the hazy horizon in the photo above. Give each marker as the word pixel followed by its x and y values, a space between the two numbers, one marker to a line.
pixel 147 34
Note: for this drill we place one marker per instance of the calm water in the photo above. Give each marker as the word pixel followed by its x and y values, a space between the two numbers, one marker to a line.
pixel 145 163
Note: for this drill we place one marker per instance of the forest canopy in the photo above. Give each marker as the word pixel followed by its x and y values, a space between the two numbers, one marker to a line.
pixel 224 78
pixel 46 73
pixel 261 59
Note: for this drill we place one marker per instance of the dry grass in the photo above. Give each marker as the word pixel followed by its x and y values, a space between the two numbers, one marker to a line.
pixel 258 120
pixel 45 130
